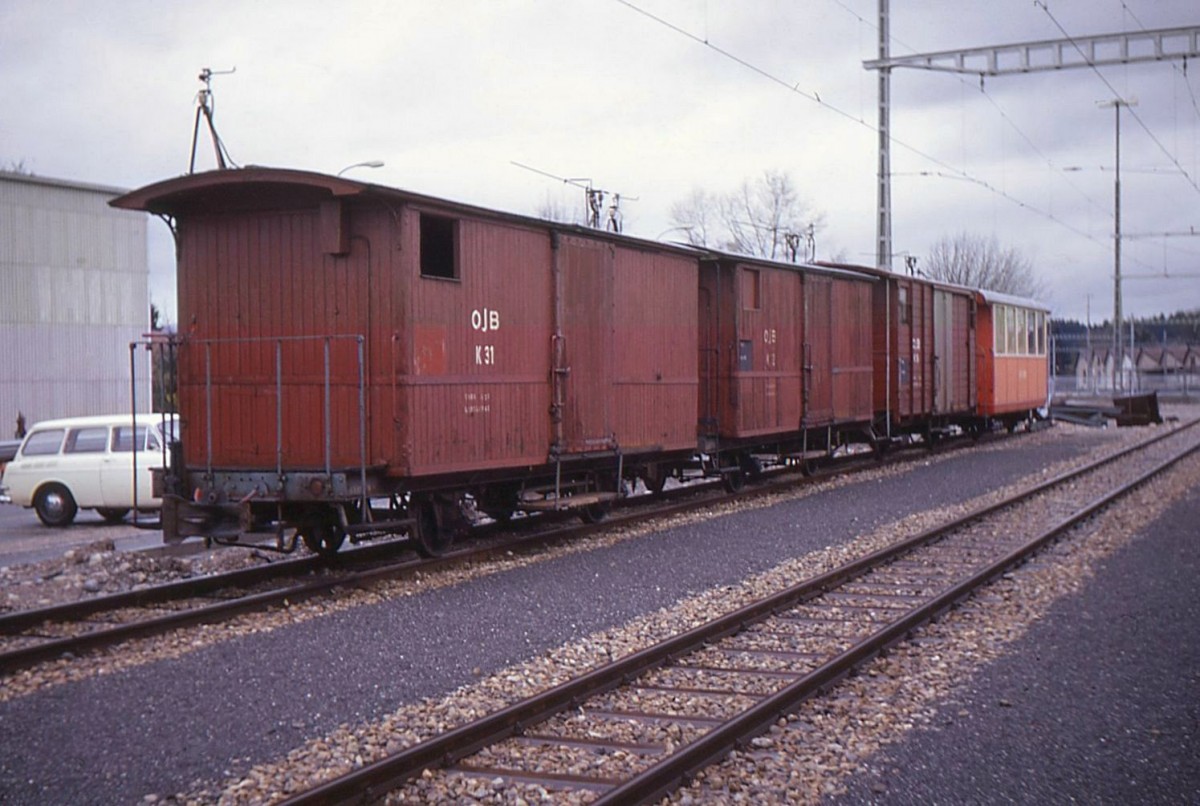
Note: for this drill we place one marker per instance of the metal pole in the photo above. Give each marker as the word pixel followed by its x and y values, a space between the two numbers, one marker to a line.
pixel 279 412
pixel 883 253
pixel 1117 247
pixel 362 429
pixel 328 418
pixel 208 404
pixel 133 422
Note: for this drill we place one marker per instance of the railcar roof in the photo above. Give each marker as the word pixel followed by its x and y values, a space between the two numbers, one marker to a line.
pixel 254 186
pixel 864 273
pixel 996 298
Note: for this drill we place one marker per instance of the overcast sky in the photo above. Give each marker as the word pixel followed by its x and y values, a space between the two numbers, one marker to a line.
pixel 449 94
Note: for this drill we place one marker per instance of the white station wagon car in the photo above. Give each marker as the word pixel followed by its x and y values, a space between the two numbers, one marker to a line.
pixel 86 462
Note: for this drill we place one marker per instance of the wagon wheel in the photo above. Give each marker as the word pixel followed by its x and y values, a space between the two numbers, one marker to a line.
pixel 931 440
pixel 595 513
pixel 322 537
pixel 431 535
pixel 751 466
pixel 810 464
pixel 734 480
pixel 655 483
pixel 880 448
pixel 498 503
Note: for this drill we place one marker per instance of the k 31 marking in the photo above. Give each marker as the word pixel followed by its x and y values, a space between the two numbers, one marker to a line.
pixel 485 320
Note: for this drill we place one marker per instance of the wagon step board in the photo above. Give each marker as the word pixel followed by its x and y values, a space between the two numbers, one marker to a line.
pixel 569 502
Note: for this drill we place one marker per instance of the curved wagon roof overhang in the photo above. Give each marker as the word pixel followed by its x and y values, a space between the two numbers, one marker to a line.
pixel 252 187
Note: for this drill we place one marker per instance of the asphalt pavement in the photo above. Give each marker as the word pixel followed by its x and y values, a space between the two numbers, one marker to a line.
pixel 23 538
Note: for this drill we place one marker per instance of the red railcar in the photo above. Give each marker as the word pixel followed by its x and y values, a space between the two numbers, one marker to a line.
pixel 785 358
pixel 1013 357
pixel 925 366
pixel 342 342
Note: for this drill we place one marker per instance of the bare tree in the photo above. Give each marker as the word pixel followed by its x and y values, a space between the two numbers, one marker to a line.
pixel 765 217
pixel 980 262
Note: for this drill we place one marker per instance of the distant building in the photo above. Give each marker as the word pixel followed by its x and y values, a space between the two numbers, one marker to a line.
pixel 74 292
pixel 1154 367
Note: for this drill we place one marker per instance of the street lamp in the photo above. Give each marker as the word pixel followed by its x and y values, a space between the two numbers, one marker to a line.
pixel 367 164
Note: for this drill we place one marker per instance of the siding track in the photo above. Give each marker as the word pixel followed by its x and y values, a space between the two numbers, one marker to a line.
pixel 634 729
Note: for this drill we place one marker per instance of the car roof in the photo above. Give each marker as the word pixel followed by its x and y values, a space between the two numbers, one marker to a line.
pixel 98 420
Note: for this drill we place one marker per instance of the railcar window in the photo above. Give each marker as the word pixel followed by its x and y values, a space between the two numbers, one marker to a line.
pixel 87 440
pixel 1010 330
pixel 751 289
pixel 43 443
pixel 1031 332
pixel 905 307
pixel 1022 332
pixel 1041 333
pixel 998 330
pixel 439 256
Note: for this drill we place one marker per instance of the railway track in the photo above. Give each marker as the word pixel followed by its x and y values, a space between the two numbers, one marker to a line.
pixel 633 730
pixel 71 629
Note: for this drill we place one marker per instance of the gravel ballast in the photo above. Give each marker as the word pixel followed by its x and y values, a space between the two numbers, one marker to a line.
pixel 218 711
pixel 1098 703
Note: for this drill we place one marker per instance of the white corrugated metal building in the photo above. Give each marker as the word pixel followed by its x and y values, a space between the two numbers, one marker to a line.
pixel 74 292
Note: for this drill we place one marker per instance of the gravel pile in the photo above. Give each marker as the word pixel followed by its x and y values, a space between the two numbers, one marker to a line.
pixel 98 569
pixel 803 757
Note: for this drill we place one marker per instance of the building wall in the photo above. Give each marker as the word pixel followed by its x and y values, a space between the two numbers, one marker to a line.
pixel 74 292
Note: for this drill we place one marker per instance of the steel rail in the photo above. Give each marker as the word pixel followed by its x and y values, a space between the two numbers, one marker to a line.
pixel 668 774
pixel 11 624
pixel 371 782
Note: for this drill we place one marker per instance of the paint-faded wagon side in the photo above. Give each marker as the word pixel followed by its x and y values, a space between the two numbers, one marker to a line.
pixel 341 343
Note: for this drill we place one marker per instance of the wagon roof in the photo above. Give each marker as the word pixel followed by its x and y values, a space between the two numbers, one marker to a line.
pixel 863 273
pixel 995 297
pixel 255 186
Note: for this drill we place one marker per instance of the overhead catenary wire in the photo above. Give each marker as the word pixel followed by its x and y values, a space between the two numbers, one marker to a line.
pixel 816 98
pixel 1104 210
pixel 1132 112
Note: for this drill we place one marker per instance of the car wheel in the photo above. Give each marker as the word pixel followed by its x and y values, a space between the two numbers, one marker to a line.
pixel 55 506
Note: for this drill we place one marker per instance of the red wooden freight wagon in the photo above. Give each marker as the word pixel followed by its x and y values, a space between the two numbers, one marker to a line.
pixel 356 359
pixel 785 359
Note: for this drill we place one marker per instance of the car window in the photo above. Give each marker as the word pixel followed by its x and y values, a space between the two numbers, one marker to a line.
pixel 123 443
pixel 87 440
pixel 43 443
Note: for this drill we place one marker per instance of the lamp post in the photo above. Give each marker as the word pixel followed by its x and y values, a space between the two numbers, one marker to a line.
pixel 367 164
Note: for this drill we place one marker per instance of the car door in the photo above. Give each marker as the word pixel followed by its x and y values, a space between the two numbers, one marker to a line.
pixel 116 476
pixel 82 458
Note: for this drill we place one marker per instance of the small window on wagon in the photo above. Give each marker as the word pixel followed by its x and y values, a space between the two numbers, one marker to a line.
pixel 439 248
pixel 87 440
pixel 43 443
pixel 905 308
pixel 998 330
